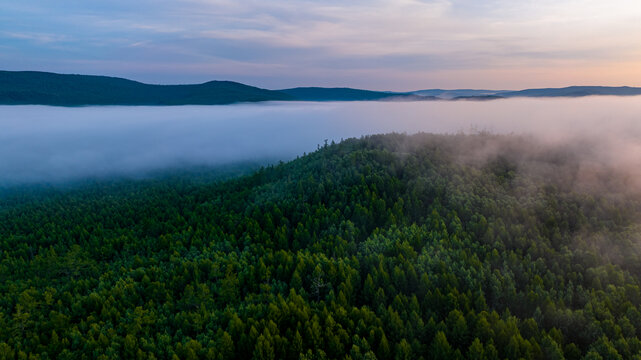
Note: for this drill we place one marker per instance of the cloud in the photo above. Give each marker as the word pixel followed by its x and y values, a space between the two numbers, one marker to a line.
pixel 37 37
pixel 39 143
pixel 300 38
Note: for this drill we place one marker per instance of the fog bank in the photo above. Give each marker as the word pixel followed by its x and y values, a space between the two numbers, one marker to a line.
pixel 49 144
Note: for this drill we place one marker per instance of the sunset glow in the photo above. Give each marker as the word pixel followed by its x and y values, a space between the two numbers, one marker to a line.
pixel 383 44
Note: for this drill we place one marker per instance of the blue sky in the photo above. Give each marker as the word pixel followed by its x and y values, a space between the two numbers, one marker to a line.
pixel 387 45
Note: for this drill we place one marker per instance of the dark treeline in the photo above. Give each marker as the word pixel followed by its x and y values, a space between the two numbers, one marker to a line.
pixel 385 247
pixel 43 88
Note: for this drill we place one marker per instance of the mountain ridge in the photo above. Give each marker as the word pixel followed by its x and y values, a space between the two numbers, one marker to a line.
pixel 42 88
pixel 46 88
pixel 315 93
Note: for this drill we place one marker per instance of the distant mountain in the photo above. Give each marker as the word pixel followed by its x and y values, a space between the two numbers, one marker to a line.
pixel 348 94
pixel 32 87
pixel 457 93
pixel 44 88
pixel 478 97
pixel 571 91
pixel 575 91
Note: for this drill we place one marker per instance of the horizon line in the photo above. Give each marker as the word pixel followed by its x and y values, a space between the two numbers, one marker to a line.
pixel 318 87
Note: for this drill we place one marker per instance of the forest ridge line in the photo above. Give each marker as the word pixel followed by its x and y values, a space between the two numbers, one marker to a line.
pixel 45 88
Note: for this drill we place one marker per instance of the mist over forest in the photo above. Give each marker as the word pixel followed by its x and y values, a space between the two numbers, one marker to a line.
pixel 320 180
pixel 53 144
pixel 459 230
pixel 432 246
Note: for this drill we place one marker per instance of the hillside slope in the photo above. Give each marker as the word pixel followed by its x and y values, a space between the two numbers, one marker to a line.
pixel 457 93
pixel 43 88
pixel 31 87
pixel 387 247
pixel 349 94
pixel 575 91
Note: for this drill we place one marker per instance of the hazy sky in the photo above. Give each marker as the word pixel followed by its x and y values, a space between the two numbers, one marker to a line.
pixel 379 44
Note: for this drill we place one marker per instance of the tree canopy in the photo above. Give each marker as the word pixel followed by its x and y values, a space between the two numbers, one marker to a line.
pixel 384 247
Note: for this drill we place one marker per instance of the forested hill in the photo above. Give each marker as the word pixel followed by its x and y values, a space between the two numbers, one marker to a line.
pixel 32 87
pixel 44 88
pixel 349 94
pixel 575 91
pixel 385 247
pixel 570 91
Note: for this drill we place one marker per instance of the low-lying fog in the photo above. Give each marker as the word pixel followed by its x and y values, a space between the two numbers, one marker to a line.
pixel 40 143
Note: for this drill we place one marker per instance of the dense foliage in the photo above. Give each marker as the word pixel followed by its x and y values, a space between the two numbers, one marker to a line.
pixel 387 247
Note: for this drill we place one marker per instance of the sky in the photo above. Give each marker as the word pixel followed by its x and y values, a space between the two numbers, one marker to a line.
pixel 396 45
